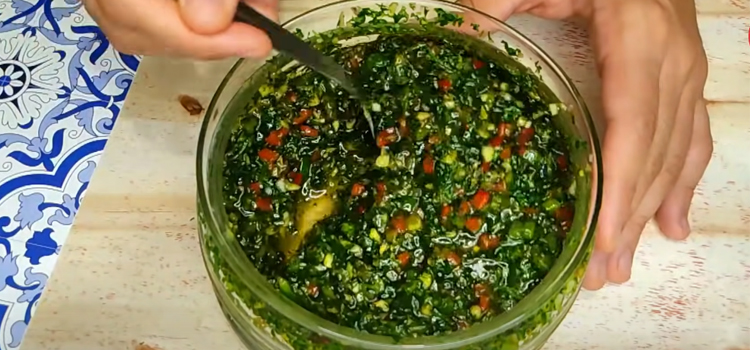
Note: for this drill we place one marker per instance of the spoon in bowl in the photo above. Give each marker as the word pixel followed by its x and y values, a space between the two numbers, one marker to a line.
pixel 288 43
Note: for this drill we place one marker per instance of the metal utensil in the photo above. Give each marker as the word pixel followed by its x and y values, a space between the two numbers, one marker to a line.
pixel 288 43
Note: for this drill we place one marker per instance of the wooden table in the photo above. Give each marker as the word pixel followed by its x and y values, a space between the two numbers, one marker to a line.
pixel 131 271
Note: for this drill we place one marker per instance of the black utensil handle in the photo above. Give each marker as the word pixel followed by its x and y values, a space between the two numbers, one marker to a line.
pixel 281 39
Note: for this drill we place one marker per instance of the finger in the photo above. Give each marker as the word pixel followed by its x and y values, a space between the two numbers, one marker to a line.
pixel 630 99
pixel 672 215
pixel 596 273
pixel 498 9
pixel 207 16
pixel 237 40
pixel 670 165
pixel 269 8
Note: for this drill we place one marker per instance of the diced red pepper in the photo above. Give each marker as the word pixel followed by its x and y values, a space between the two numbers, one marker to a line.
pixel 444 85
pixel 480 289
pixel 358 189
pixel 464 208
pixel 403 258
pixel 525 136
pixel 268 155
pixel 480 200
pixel 445 211
pixel 315 156
pixel 428 165
pixel 478 64
pixel 255 187
pixel 485 167
pixel 386 137
pixel 484 302
pixel 506 153
pixel 264 204
pixel 361 209
pixel 487 242
pixel 496 141
pixel 295 177
pixel 562 162
pixel 453 258
pixel 473 224
pixel 302 117
pixel 276 137
pixel 399 223
pixel 308 131
pixel 313 290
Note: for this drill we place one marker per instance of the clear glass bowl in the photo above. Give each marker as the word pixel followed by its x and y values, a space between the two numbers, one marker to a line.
pixel 265 320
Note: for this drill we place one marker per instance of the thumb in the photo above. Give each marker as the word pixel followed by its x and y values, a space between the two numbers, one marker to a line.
pixel 208 16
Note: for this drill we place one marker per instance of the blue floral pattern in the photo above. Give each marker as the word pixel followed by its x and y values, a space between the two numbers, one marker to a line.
pixel 61 89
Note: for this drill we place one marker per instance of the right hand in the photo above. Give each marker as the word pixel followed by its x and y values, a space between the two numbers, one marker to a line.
pixel 201 29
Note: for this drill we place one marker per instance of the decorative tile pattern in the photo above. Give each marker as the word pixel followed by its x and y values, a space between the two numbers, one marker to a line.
pixel 61 89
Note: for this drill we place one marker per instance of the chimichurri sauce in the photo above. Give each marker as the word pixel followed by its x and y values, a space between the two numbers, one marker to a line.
pixel 453 213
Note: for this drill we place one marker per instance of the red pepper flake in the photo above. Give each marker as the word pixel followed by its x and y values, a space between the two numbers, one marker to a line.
pixel 428 165
pixel 302 117
pixel 268 155
pixel 291 96
pixel 480 200
pixel 484 302
pixel 255 187
pixel 264 204
pixel 525 136
pixel 315 156
pixel 433 139
pixel 361 209
pixel 380 187
pixel 190 104
pixel 444 85
pixel 308 131
pixel 530 211
pixel 275 137
pixel 487 242
pixel 403 127
pixel 464 208
pixel 313 290
pixel 445 211
pixel 502 129
pixel 453 258
pixel 485 167
pixel 354 63
pixel 506 153
pixel 499 187
pixel 387 136
pixel 295 177
pixel 358 189
pixel 478 64
pixel 403 258
pixel 473 224
pixel 562 162
pixel 399 223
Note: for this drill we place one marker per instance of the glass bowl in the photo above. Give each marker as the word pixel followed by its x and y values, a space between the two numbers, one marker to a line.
pixel 264 319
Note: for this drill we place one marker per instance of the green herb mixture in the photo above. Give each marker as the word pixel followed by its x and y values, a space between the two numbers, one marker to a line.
pixel 453 213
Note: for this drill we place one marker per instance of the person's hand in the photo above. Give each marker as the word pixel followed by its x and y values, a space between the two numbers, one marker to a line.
pixel 201 29
pixel 658 141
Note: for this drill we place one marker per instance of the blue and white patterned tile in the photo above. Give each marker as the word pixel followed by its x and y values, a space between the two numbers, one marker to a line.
pixel 61 89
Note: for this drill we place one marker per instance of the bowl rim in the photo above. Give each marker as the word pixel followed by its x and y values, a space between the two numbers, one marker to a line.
pixel 240 265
